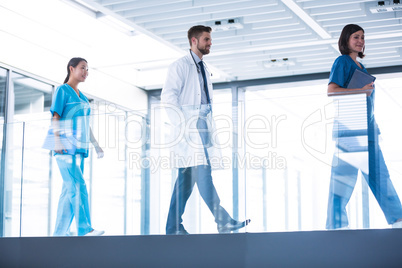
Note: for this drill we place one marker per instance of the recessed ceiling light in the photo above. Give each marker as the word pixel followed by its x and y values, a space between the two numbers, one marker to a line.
pixel 386 6
pixel 226 25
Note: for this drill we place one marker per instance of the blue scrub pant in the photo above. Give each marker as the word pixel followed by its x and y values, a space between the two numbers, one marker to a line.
pixel 343 180
pixel 184 185
pixel 73 200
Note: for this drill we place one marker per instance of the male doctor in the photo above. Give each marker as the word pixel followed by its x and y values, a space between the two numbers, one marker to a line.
pixel 189 89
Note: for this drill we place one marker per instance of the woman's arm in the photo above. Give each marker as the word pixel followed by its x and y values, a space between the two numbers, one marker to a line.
pixel 98 149
pixel 334 89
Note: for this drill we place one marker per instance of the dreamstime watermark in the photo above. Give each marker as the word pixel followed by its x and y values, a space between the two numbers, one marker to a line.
pixel 316 134
pixel 167 126
pixel 183 128
pixel 337 128
pixel 175 129
pixel 271 161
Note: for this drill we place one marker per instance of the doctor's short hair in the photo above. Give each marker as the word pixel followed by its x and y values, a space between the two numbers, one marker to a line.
pixel 196 31
pixel 347 31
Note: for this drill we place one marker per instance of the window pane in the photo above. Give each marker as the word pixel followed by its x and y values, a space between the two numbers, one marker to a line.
pixel 31 98
pixel 29 102
pixel 3 83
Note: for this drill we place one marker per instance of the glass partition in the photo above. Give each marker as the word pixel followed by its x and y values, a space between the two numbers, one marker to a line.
pixel 3 88
pixel 115 192
pixel 292 159
pixel 13 177
pixel 292 147
pixel 175 150
pixel 388 107
pixel 112 184
pixel 29 100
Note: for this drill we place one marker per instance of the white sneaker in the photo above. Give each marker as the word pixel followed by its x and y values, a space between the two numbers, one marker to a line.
pixel 95 233
pixel 397 224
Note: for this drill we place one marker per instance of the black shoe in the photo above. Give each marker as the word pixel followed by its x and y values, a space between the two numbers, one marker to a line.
pixel 232 226
pixel 177 232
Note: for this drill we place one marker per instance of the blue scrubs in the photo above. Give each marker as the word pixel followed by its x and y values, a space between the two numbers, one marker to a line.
pixel 344 175
pixel 74 114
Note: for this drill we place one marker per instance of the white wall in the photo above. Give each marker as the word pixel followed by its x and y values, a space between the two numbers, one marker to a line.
pixel 40 37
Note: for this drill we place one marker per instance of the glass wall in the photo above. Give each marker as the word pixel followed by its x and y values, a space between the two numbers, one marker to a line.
pixel 387 108
pixel 229 185
pixel 114 187
pixel 279 146
pixel 317 148
pixel 294 153
pixel 289 147
pixel 29 100
pixel 3 88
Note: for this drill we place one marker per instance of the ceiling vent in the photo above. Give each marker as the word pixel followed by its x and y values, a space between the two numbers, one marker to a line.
pixel 226 25
pixel 387 6
pixel 274 63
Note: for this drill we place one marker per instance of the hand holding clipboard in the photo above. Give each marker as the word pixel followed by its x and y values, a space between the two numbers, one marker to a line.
pixel 361 79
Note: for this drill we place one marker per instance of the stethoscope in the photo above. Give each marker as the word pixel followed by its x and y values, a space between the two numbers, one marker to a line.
pixel 196 65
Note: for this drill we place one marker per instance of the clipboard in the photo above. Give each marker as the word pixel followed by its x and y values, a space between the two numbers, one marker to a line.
pixel 66 142
pixel 360 79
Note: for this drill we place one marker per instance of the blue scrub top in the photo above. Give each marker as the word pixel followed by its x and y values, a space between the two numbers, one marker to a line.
pixel 74 114
pixel 341 73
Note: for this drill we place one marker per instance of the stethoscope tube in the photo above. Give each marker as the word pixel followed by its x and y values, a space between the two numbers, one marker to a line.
pixel 196 65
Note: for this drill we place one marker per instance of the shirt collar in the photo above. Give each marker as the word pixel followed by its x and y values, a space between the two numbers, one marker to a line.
pixel 196 58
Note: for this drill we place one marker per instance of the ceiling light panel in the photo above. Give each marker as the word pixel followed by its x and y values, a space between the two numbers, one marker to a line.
pixel 296 29
pixel 308 5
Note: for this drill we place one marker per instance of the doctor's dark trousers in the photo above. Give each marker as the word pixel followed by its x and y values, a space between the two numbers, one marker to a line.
pixel 184 185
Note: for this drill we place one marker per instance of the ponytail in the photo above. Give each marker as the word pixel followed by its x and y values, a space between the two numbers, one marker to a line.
pixel 73 62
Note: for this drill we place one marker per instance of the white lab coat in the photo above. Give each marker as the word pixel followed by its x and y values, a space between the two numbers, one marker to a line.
pixel 181 95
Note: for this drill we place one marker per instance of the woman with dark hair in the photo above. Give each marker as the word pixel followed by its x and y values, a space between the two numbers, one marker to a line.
pixel 72 135
pixel 344 174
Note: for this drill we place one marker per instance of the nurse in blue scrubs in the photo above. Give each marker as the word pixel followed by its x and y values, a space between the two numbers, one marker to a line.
pixel 70 110
pixel 343 175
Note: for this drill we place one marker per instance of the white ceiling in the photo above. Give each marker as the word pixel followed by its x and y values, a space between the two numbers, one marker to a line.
pixel 305 32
